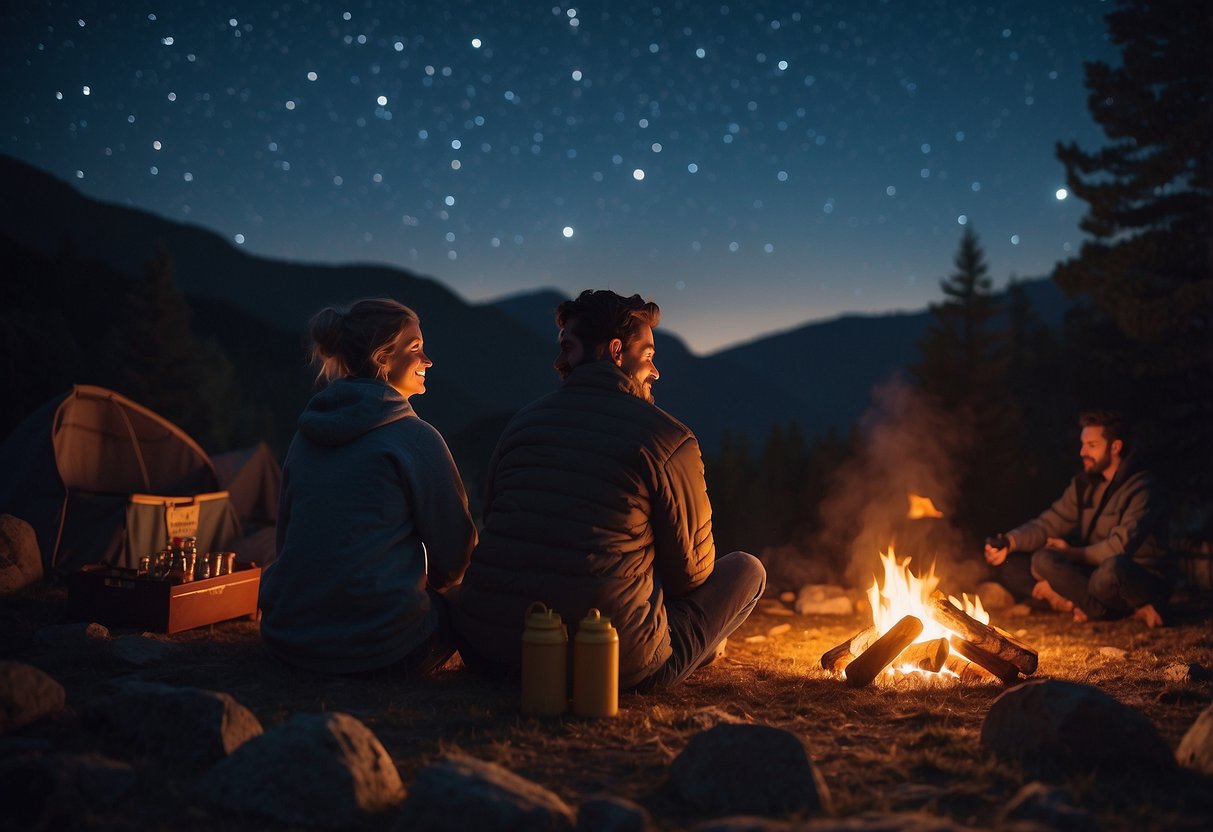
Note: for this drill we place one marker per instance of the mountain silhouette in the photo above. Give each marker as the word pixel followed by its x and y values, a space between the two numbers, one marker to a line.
pixel 489 358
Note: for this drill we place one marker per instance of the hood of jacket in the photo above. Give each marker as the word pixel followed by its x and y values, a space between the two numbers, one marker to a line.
pixel 349 408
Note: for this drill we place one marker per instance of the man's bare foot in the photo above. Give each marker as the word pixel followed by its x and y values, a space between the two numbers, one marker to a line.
pixel 1148 616
pixel 1080 617
pixel 1043 592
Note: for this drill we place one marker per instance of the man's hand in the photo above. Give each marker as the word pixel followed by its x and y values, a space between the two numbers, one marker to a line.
pixel 1073 553
pixel 998 556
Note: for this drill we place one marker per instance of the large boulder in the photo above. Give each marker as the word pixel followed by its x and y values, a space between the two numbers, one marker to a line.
pixel 748 770
pixel 187 727
pixel 607 813
pixel 20 557
pixel 1196 748
pixel 27 695
pixel 316 770
pixel 1058 728
pixel 57 790
pixel 461 793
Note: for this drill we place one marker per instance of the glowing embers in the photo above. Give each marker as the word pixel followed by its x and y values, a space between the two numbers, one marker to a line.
pixel 918 632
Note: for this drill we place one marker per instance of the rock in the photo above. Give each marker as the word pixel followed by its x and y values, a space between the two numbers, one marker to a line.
pixel 26 695
pixel 1196 748
pixel 1019 611
pixel 778 630
pixel 1061 727
pixel 20 557
pixel 57 790
pixel 749 770
pixel 316 770
pixel 1185 673
pixel 1050 807
pixel 462 793
pixel 838 605
pixel 824 599
pixel 994 596
pixel 66 635
pixel 611 814
pixel 141 651
pixel 1113 652
pixel 787 597
pixel 187 727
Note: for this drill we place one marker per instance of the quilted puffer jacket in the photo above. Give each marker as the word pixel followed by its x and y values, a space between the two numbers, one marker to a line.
pixel 596 498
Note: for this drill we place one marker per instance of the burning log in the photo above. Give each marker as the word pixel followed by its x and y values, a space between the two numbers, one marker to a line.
pixel 837 658
pixel 925 655
pixel 990 641
pixel 1002 669
pixel 967 671
pixel 876 658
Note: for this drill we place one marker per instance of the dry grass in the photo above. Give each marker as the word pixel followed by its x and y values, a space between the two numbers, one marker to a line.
pixel 882 748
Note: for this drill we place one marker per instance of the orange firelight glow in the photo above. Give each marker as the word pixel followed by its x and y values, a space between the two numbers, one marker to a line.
pixel 903 593
pixel 921 507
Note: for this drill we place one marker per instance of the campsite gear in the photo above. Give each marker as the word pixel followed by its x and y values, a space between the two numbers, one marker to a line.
pixel 117 597
pixel 90 469
pixel 596 667
pixel 544 663
pixel 229 563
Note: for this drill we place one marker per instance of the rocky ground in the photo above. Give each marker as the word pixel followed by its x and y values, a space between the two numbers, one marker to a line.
pixel 136 730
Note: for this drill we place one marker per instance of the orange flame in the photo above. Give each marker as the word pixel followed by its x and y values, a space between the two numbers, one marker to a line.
pixel 921 507
pixel 903 593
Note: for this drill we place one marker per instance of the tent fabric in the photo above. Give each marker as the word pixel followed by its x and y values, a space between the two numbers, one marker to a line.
pixel 253 477
pixel 70 469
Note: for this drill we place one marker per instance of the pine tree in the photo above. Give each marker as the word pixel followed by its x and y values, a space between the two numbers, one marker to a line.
pixel 964 370
pixel 960 344
pixel 1148 266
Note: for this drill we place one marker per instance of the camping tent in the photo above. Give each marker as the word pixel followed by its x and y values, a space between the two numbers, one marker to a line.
pixel 252 476
pixel 103 479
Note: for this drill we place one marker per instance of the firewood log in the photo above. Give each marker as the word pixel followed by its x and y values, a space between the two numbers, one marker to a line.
pixel 924 655
pixel 1006 672
pixel 1002 646
pixel 837 658
pixel 968 672
pixel 867 666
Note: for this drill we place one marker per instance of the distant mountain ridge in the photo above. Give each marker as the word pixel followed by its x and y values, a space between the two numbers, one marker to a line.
pixel 490 358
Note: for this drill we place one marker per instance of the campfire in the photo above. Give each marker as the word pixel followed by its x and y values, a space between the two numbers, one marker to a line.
pixel 917 631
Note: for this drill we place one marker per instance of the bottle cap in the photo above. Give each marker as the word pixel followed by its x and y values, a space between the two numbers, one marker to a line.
pixel 595 621
pixel 539 617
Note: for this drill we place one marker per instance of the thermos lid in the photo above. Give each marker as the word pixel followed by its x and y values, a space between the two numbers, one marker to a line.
pixel 595 621
pixel 539 617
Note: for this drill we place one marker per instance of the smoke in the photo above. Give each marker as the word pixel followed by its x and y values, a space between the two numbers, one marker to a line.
pixel 907 447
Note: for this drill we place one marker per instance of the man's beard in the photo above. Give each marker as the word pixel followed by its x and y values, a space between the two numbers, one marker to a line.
pixel 1098 466
pixel 642 391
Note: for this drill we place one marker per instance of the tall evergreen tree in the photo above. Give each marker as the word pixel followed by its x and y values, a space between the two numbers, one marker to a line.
pixel 961 344
pixel 964 370
pixel 1148 266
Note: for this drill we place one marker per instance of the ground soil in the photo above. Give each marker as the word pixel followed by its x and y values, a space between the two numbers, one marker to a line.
pixel 899 748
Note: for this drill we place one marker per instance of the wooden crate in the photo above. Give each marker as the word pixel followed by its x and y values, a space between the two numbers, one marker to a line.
pixel 117 598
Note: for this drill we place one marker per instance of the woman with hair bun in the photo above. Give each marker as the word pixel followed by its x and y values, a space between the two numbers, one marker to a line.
pixel 373 519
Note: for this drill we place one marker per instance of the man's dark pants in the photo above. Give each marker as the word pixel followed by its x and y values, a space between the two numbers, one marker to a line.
pixel 1114 589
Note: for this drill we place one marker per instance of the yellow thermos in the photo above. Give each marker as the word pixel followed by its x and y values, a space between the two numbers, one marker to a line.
pixel 596 667
pixel 544 663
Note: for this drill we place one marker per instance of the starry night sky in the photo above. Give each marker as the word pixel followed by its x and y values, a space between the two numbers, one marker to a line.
pixel 749 166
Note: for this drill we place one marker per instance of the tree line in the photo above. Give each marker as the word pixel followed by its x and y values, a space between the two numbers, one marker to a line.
pixel 1138 339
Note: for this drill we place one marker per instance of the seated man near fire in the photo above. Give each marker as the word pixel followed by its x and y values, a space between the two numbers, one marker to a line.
pixel 596 498
pixel 1094 553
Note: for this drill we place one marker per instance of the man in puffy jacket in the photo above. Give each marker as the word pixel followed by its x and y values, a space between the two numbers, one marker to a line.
pixel 1095 551
pixel 596 499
